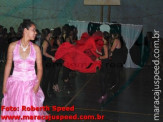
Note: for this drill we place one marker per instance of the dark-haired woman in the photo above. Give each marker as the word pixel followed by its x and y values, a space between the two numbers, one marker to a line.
pixel 65 37
pixel 22 88
pixel 65 33
pixel 12 35
pixel 47 63
pixel 117 60
pixel 57 64
pixel 104 67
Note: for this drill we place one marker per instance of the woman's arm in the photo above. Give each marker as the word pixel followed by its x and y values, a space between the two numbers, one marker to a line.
pixel 105 56
pixel 98 52
pixel 39 67
pixel 114 45
pixel 8 65
pixel 45 45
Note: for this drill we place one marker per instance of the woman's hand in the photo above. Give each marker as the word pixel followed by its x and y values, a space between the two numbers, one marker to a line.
pixel 98 52
pixel 35 88
pixel 53 59
pixel 97 59
pixel 110 55
pixel 4 90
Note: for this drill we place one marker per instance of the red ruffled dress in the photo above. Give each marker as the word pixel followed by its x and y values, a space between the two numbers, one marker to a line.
pixel 82 56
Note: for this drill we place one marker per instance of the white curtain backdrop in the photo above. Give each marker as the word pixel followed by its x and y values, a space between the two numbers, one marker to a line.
pixel 81 26
pixel 130 34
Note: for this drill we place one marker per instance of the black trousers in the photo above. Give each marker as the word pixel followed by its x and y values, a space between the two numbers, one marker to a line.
pixel 50 75
pixel 110 75
pixel 103 78
pixel 115 69
pixel 45 80
pixel 55 71
pixel 116 66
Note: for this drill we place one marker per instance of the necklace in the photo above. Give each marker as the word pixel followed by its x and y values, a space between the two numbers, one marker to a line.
pixel 24 48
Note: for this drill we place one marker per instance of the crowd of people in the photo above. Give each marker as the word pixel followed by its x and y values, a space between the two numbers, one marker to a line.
pixel 5 39
pixel 68 34
pixel 50 40
pixel 51 51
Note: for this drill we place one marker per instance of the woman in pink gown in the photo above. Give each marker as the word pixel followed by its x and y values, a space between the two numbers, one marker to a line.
pixel 22 88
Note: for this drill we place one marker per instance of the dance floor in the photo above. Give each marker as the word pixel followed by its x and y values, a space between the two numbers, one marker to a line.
pixel 134 102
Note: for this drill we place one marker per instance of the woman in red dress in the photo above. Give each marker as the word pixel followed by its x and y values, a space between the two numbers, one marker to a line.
pixel 82 56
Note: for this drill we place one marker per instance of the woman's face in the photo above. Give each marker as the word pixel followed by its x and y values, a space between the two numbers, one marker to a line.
pixel 64 31
pixel 31 32
pixel 49 36
pixel 58 42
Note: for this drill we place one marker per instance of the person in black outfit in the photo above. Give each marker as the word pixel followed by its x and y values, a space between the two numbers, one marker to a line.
pixel 57 64
pixel 12 35
pixel 48 57
pixel 116 61
pixel 104 69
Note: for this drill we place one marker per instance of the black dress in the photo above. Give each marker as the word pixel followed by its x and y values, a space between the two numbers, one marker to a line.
pixel 48 71
pixel 116 65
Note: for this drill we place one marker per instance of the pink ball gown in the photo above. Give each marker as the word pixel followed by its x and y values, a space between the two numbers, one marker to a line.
pixel 20 87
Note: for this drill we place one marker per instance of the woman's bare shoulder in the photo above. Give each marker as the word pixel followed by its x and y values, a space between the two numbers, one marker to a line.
pixel 12 45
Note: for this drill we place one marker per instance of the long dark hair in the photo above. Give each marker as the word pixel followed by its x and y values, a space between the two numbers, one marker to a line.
pixel 25 24
pixel 45 33
pixel 119 37
pixel 106 36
